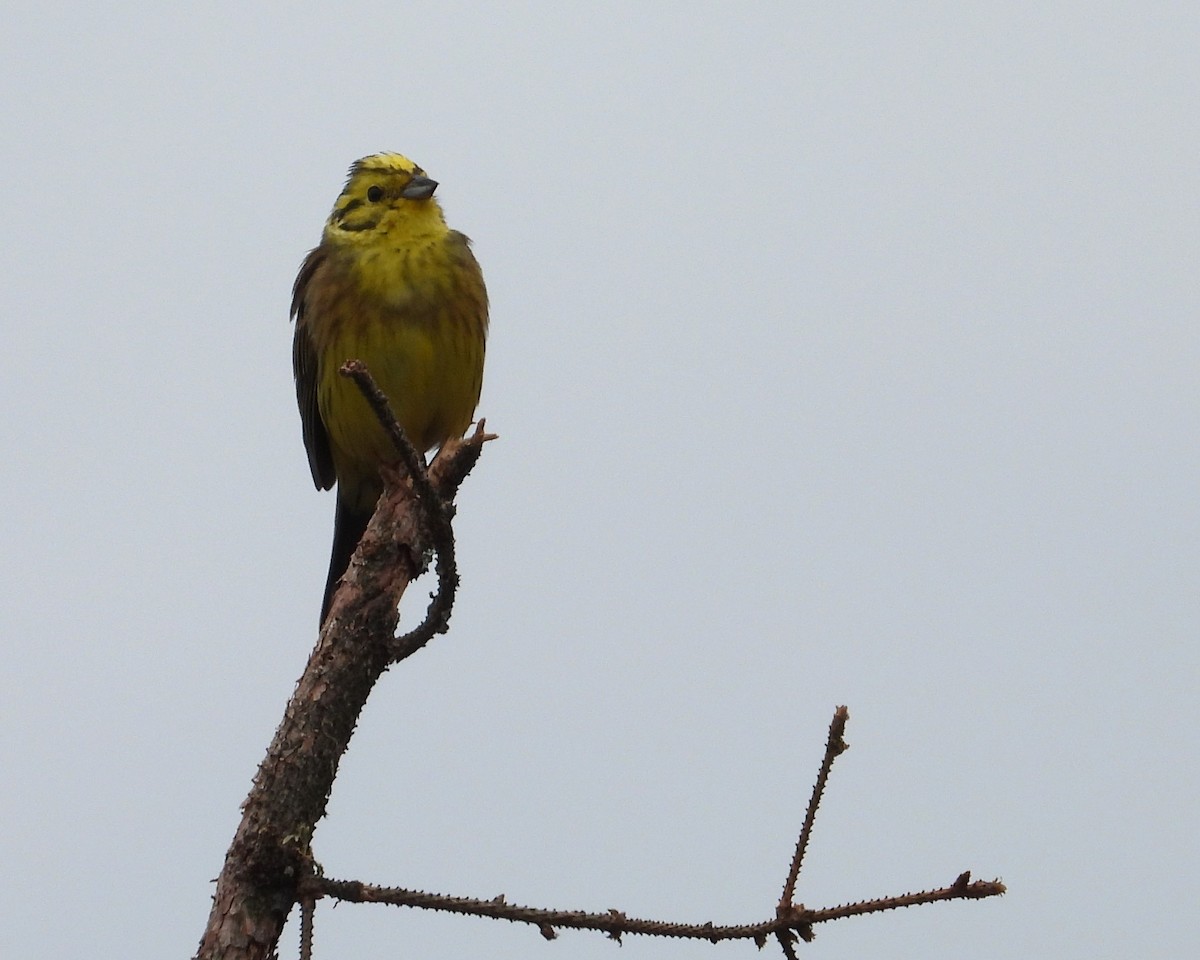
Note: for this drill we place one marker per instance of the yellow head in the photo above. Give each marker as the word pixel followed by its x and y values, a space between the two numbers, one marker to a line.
pixel 385 194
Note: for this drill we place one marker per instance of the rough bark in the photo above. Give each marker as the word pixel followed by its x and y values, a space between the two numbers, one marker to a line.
pixel 270 853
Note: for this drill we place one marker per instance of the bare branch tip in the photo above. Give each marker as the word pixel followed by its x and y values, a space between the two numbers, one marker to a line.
pixel 837 727
pixel 480 435
pixel 984 888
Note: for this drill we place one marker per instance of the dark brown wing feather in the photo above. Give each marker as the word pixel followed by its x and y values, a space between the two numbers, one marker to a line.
pixel 304 366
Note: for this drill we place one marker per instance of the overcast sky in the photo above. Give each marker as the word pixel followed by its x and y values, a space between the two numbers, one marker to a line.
pixel 840 354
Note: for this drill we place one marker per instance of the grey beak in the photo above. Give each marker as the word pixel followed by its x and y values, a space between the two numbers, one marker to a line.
pixel 419 188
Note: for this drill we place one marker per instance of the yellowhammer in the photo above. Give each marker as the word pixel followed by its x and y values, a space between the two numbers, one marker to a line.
pixel 390 284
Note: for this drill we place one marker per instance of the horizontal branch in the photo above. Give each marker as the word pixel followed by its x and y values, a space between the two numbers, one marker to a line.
pixel 616 924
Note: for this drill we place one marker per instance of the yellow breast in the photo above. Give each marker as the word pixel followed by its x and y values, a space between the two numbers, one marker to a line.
pixel 417 317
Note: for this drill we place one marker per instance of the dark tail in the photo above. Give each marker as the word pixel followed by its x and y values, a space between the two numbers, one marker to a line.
pixel 348 528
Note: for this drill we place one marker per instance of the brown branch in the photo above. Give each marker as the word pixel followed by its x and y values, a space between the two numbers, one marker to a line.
pixel 961 889
pixel 796 920
pixel 835 746
pixel 308 907
pixel 270 852
pixel 787 941
pixel 436 512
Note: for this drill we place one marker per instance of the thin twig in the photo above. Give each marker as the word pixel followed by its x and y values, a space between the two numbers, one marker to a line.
pixel 961 889
pixel 616 924
pixel 414 462
pixel 787 940
pixel 308 907
pixel 434 511
pixel 441 536
pixel 834 747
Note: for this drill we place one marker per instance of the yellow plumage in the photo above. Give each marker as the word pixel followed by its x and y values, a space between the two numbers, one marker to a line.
pixel 390 284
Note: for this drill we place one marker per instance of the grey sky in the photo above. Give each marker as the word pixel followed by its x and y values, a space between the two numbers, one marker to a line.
pixel 839 355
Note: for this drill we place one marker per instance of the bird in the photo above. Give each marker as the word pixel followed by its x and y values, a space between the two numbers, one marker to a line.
pixel 392 285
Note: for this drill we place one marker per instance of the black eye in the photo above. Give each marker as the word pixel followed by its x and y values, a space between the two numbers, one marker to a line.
pixel 375 193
